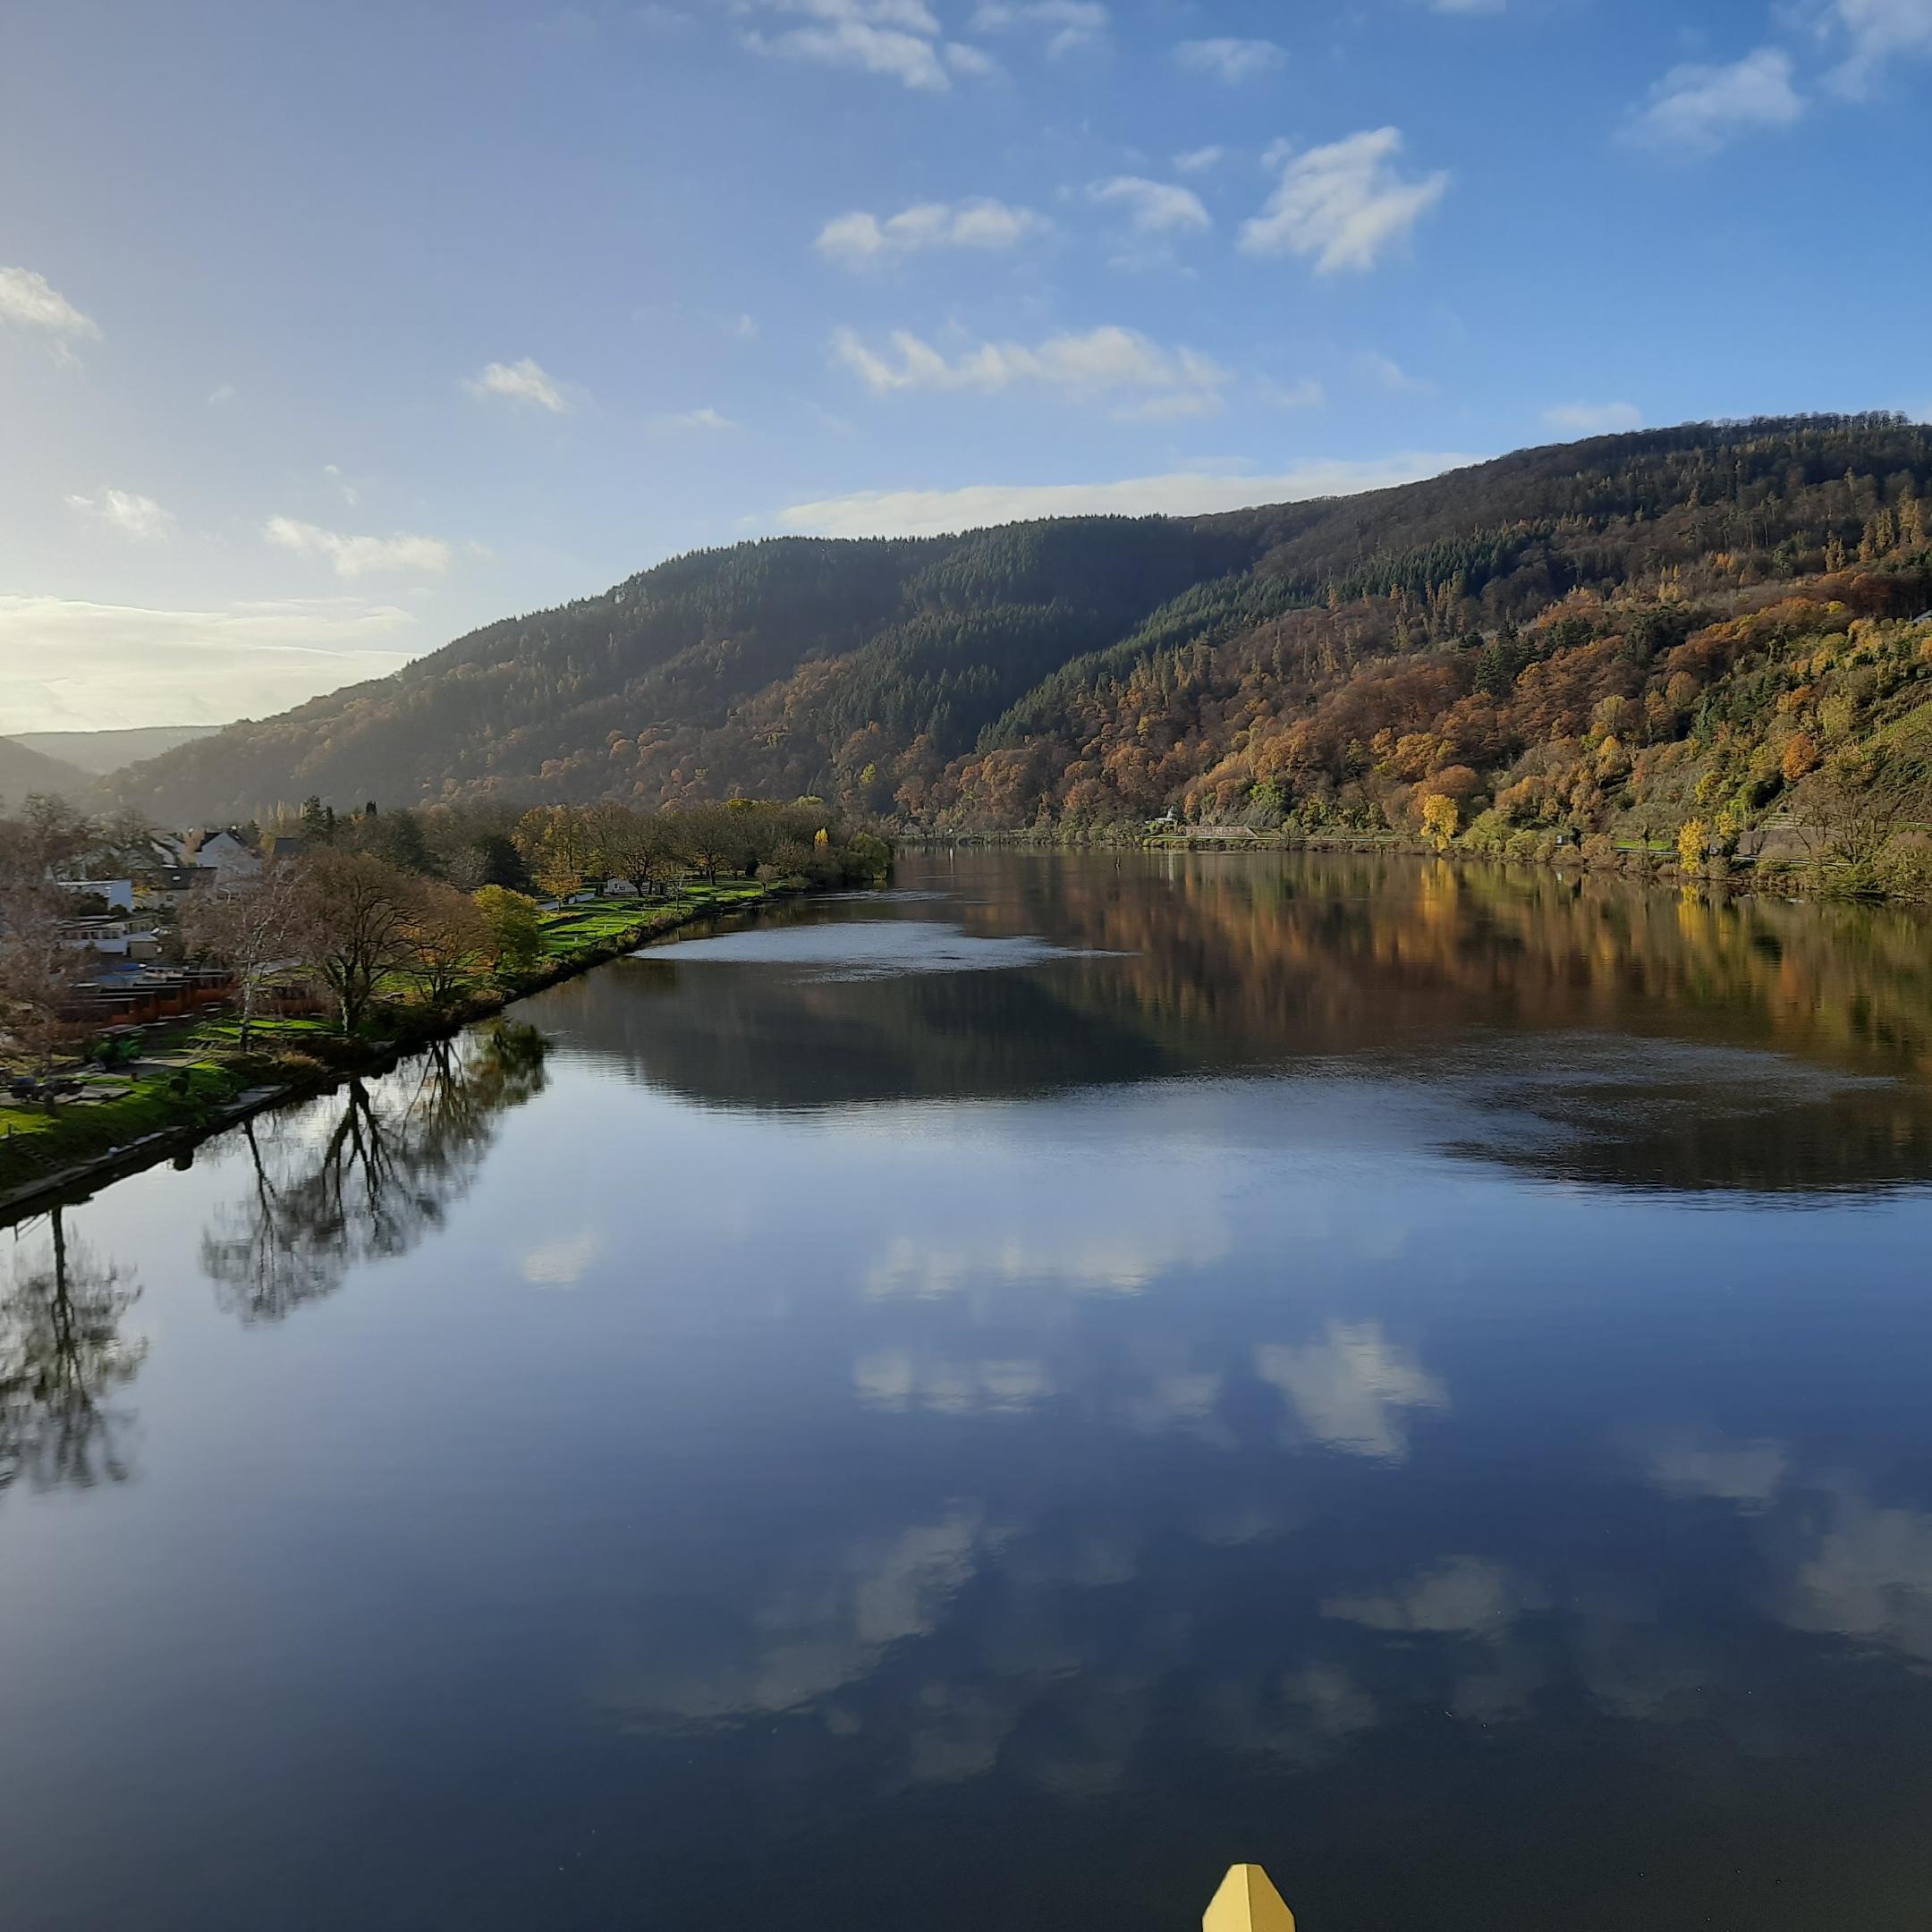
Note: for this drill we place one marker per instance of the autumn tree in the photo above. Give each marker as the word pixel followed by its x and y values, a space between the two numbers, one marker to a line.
pixel 557 843
pixel 1441 819
pixel 513 930
pixel 1694 846
pixel 446 942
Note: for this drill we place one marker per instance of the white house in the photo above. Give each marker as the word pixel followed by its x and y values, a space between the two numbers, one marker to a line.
pixel 117 892
pixel 224 854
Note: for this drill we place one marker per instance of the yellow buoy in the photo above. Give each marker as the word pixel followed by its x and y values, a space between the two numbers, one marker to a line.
pixel 1246 1902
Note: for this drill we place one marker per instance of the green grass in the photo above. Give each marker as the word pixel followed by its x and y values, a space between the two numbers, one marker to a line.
pixel 34 1139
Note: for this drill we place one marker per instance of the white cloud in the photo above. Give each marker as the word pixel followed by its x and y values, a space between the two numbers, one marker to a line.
pixel 525 381
pixel 1155 208
pixel 1108 361
pixel 1389 373
pixel 1879 29
pixel 1232 60
pixel 1178 493
pixel 1345 204
pixel 222 392
pixel 1348 1389
pixel 1197 160
pixel 1467 7
pixel 29 300
pixel 1067 23
pixel 72 666
pixel 701 419
pixel 1594 418
pixel 126 510
pixel 359 556
pixel 1698 109
pixel 898 38
pixel 859 238
pixel 351 494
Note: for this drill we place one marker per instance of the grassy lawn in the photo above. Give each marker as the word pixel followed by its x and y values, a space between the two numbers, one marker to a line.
pixel 171 1096
pixel 601 921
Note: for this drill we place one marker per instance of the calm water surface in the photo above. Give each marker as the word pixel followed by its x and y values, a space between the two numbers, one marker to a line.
pixel 977 1407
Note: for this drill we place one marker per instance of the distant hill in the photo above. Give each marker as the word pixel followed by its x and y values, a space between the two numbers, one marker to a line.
pixel 24 770
pixel 103 751
pixel 1332 659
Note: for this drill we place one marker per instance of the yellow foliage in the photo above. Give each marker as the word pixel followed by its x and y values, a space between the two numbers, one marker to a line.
pixel 1693 845
pixel 1441 819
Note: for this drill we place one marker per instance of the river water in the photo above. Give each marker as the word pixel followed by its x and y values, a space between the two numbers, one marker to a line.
pixel 976 1407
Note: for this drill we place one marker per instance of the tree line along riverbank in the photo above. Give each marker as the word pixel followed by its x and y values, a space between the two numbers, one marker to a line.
pixel 337 959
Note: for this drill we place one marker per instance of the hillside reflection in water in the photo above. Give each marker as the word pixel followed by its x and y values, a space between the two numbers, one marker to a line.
pixel 1415 1376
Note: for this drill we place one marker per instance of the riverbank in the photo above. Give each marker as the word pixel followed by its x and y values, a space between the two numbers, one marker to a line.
pixel 195 1080
pixel 1653 865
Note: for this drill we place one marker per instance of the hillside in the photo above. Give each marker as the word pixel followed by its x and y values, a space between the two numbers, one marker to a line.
pixel 24 771
pixel 1483 635
pixel 103 751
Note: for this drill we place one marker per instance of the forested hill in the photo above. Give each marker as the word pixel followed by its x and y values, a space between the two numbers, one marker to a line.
pixel 25 771
pixel 1332 659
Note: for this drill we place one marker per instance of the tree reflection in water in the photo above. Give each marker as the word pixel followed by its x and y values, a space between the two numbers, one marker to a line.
pixel 62 1356
pixel 365 1173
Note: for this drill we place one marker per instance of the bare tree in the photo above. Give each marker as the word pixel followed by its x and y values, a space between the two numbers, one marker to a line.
pixel 354 927
pixel 251 926
pixel 1854 809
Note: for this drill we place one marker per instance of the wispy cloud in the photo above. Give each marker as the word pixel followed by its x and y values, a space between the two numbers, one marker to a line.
pixel 1066 23
pixel 1698 109
pixel 1232 60
pixel 1879 31
pixel 1176 493
pixel 73 666
pixel 701 419
pixel 1141 378
pixel 1467 7
pixel 526 381
pixel 1155 207
pixel 222 392
pixel 359 556
pixel 1344 205
pixel 126 510
pixel 1594 418
pixel 862 240
pixel 29 300
pixel 1197 160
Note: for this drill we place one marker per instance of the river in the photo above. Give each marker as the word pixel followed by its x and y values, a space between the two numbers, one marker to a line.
pixel 972 1408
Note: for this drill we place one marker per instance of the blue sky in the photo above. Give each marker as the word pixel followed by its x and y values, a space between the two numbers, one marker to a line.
pixel 328 332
